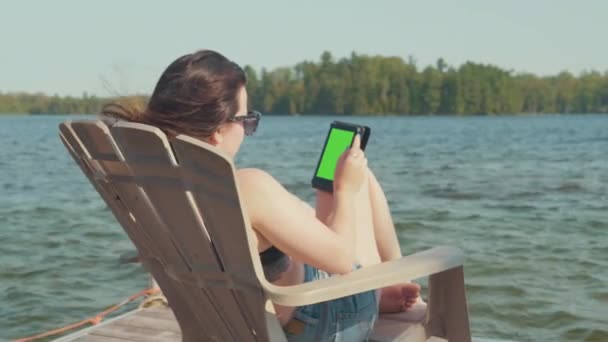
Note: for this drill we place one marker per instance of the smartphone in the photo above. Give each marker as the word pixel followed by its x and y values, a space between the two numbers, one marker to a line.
pixel 339 138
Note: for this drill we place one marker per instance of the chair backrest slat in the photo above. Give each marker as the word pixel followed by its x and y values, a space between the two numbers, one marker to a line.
pixel 133 229
pixel 134 215
pixel 225 220
pixel 160 176
pixel 182 212
pixel 80 156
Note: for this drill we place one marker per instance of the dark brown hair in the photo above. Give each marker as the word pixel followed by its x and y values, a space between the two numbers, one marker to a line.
pixel 195 95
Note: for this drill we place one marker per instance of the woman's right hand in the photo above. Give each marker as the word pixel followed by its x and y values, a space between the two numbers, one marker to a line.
pixel 351 169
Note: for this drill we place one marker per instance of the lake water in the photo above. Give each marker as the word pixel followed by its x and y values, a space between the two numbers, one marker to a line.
pixel 526 198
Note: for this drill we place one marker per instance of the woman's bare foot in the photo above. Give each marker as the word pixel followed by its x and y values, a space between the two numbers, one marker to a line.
pixel 398 298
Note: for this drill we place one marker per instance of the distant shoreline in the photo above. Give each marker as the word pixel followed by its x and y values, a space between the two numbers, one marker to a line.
pixel 378 85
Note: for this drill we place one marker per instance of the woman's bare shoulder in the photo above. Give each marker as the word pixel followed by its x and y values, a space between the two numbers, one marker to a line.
pixel 258 183
pixel 259 180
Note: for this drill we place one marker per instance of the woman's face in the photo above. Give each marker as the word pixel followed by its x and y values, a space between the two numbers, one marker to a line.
pixel 230 135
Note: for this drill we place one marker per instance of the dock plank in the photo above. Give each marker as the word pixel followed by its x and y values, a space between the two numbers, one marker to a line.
pixel 154 323
pixel 136 334
pixel 93 338
pixel 157 312
pixel 159 324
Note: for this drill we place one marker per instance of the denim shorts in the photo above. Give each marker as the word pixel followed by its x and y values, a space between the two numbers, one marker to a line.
pixel 348 318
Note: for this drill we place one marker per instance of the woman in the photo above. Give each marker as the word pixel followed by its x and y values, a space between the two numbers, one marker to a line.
pixel 203 95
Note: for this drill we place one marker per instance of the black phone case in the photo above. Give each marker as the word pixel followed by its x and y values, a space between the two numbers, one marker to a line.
pixel 328 185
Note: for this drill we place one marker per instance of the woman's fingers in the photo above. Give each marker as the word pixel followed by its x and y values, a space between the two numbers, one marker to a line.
pixel 357 142
pixel 350 170
pixel 355 149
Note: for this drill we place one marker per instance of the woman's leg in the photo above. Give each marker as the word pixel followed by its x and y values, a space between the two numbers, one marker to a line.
pixel 384 229
pixel 399 297
pixel 376 239
pixel 374 222
pixel 366 247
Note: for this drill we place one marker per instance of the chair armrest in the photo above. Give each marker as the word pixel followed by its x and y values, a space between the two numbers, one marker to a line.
pixel 389 273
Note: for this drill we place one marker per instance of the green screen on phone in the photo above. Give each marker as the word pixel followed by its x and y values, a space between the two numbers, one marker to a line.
pixel 337 142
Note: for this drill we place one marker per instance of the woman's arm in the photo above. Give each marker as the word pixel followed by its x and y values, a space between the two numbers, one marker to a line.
pixel 287 224
pixel 282 219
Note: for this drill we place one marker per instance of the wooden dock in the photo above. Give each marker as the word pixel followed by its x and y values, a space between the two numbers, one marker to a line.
pixel 141 325
pixel 158 324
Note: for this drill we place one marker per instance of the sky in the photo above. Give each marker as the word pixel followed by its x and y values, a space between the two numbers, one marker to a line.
pixel 110 47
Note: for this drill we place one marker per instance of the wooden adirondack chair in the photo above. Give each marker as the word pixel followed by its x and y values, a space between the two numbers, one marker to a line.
pixel 179 204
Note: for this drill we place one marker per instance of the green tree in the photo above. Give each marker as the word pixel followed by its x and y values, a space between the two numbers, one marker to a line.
pixel 376 85
pixel 430 91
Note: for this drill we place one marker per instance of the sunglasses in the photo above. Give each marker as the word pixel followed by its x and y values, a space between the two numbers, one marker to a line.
pixel 250 121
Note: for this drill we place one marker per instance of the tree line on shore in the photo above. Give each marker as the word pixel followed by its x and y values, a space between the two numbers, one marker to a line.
pixel 378 85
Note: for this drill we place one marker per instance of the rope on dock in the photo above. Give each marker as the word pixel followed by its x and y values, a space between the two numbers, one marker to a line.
pixel 92 320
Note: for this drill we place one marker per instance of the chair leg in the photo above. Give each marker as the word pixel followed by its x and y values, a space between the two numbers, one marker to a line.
pixel 275 331
pixel 447 315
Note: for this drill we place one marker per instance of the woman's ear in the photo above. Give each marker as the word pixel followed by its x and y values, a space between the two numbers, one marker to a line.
pixel 216 138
